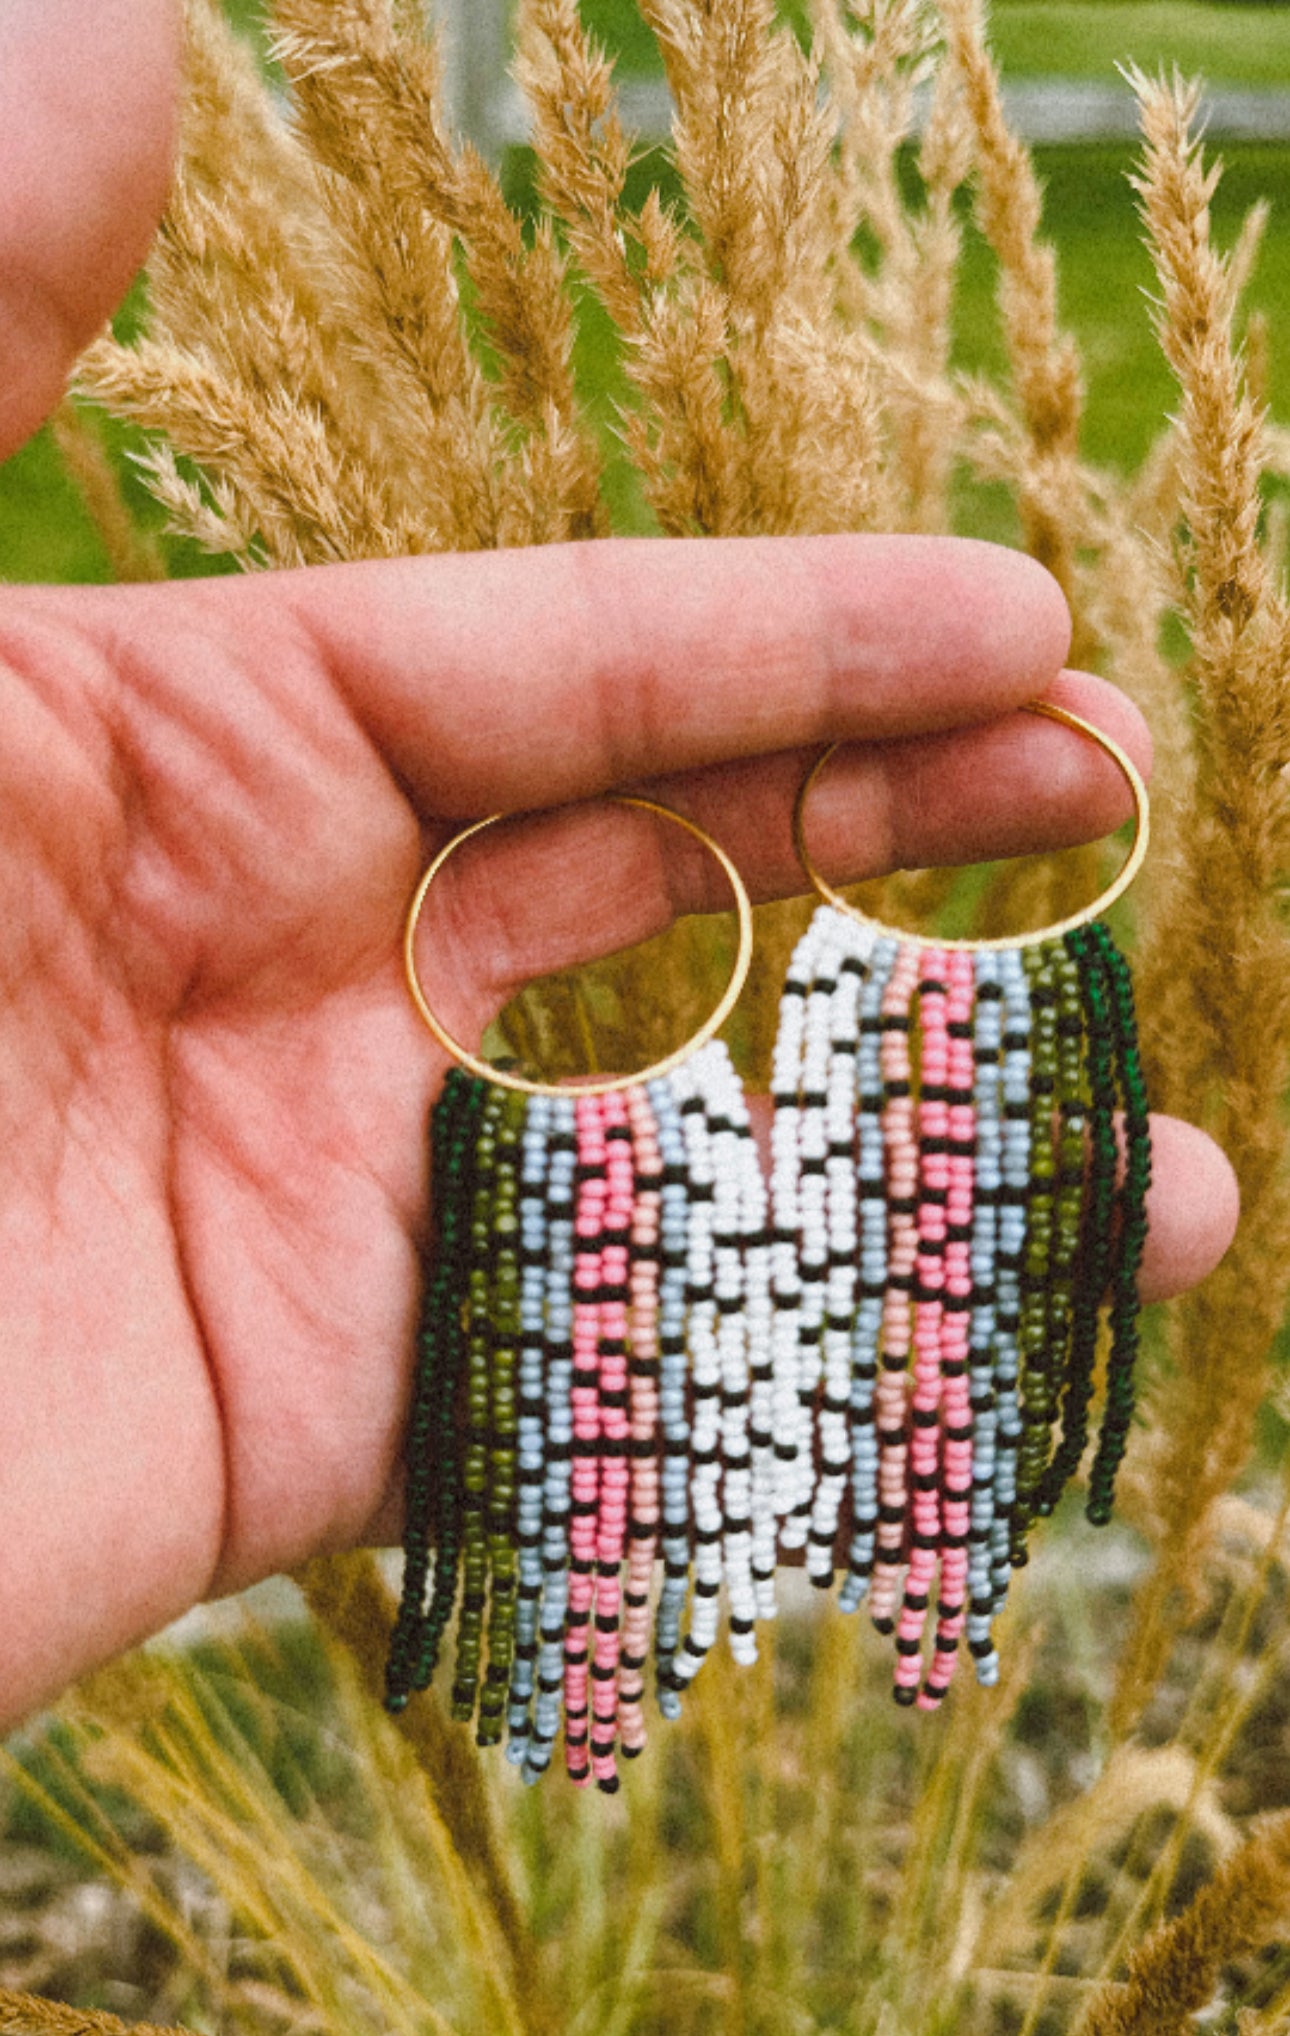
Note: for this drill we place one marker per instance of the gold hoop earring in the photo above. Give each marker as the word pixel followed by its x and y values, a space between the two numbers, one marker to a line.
pixel 523 1085
pixel 588 1393
pixel 1084 917
pixel 948 1287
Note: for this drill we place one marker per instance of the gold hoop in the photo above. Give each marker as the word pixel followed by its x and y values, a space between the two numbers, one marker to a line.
pixel 502 1078
pixel 1102 903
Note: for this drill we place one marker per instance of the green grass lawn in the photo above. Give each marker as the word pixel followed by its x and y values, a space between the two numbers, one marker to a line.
pixel 1075 38
pixel 44 532
pixel 1087 38
pixel 1106 276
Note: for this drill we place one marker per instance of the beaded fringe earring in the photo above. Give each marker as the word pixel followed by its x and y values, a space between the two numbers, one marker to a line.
pixel 947 1222
pixel 631 1349
pixel 593 1390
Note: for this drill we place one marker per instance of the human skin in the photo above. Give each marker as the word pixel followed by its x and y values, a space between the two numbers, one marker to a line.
pixel 215 799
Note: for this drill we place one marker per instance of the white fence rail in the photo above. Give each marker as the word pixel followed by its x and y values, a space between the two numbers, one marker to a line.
pixel 485 105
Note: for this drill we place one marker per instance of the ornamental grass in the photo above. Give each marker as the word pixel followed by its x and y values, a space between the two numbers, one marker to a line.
pixel 354 346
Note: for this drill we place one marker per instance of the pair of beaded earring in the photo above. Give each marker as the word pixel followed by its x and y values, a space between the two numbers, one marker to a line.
pixel 633 1347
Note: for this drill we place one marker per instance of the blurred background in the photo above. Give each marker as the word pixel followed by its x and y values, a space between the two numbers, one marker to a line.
pixel 1059 60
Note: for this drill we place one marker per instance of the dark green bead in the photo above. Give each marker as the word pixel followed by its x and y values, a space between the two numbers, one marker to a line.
pixel 1132 1236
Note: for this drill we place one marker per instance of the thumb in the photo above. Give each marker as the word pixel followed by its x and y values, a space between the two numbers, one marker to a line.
pixel 88 95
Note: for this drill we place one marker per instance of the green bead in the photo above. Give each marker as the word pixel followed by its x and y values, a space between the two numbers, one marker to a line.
pixel 1132 1234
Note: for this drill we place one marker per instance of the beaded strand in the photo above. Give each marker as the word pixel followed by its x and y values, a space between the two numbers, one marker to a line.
pixel 705 1372
pixel 430 1445
pixel 872 1246
pixel 584 1397
pixel 730 1134
pixel 756 1246
pixel 812 1235
pixel 474 1478
pixel 1102 962
pixel 1072 1105
pixel 842 1218
pixel 503 1354
pixel 957 1434
pixel 557 1484
pixel 1014 1199
pixel 925 1403
pixel 1034 1352
pixel 786 1205
pixel 674 1412
pixel 643 1373
pixel 1095 1257
pixel 987 1054
pixel 900 1151
pixel 615 1432
pixel 530 1423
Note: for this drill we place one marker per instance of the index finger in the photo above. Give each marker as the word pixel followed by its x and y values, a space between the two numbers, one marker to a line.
pixel 527 678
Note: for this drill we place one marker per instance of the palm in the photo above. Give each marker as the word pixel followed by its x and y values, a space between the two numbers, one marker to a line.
pixel 220 1095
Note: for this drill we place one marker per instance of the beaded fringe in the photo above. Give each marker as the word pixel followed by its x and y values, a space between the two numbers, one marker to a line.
pixel 631 1348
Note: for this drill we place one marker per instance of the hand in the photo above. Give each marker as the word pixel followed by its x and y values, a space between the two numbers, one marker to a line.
pixel 214 802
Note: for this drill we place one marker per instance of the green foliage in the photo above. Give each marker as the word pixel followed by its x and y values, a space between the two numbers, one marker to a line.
pixel 45 530
pixel 1106 279
pixel 1235 43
